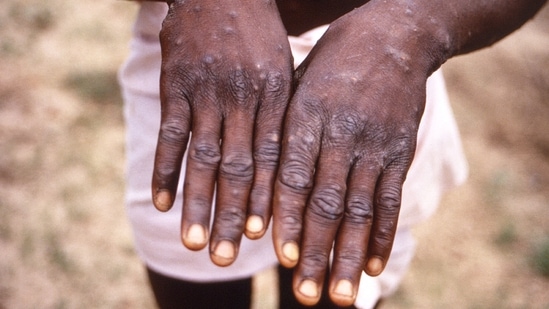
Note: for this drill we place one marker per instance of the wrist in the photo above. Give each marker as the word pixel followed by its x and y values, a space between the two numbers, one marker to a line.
pixel 406 31
pixel 448 28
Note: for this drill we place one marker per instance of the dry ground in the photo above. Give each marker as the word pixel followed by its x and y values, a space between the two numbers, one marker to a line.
pixel 64 239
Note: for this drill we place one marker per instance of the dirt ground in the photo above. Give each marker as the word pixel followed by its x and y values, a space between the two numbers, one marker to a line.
pixel 64 238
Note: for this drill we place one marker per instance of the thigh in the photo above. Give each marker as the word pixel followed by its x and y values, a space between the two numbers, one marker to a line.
pixel 171 293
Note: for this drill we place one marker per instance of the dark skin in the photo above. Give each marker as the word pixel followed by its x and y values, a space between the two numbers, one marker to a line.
pixel 323 150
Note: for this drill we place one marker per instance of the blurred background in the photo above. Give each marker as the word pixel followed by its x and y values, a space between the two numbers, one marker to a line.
pixel 64 238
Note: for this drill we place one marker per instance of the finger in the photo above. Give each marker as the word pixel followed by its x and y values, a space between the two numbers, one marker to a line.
pixel 172 142
pixel 352 239
pixel 387 206
pixel 234 183
pixel 322 219
pixel 300 148
pixel 202 164
pixel 266 153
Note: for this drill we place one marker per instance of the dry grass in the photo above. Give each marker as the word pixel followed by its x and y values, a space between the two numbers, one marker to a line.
pixel 64 239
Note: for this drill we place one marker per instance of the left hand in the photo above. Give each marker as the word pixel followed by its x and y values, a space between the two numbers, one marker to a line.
pixel 349 139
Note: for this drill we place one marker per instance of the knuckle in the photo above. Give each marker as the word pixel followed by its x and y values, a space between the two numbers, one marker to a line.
pixel 240 85
pixel 267 152
pixel 182 76
pixel 166 174
pixel 314 257
pixel 375 135
pixel 296 176
pixel 346 124
pixel 359 209
pixel 385 227
pixel 230 218
pixel 230 221
pixel 308 106
pixel 198 202
pixel 276 84
pixel 328 202
pixel 292 220
pixel 237 166
pixel 172 132
pixel 383 236
pixel 205 153
pixel 275 95
pixel 352 257
pixel 388 205
pixel 399 164
pixel 275 81
pixel 177 78
pixel 388 199
pixel 292 224
pixel 403 148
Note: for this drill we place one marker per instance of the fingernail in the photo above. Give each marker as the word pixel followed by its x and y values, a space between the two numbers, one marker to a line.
pixel 308 288
pixel 344 288
pixel 374 266
pixel 254 224
pixel 290 250
pixel 196 237
pixel 163 200
pixel 224 250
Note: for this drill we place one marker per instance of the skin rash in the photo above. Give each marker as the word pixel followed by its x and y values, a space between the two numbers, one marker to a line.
pixel 323 150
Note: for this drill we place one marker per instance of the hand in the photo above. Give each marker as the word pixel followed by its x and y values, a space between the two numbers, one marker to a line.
pixel 349 139
pixel 226 76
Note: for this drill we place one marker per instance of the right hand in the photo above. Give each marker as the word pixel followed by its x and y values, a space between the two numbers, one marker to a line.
pixel 226 77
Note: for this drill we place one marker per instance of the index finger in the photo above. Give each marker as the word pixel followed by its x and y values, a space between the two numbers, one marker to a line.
pixel 325 209
pixel 300 149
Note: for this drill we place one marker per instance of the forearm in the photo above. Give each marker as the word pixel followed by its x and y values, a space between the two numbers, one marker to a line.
pixel 423 34
pixel 474 24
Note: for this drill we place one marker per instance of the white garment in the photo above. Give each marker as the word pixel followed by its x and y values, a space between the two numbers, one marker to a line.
pixel 439 164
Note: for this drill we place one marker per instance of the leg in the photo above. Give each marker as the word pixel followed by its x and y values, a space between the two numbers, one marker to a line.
pixel 173 293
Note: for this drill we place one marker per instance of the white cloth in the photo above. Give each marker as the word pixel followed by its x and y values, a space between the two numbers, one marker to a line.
pixel 439 164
